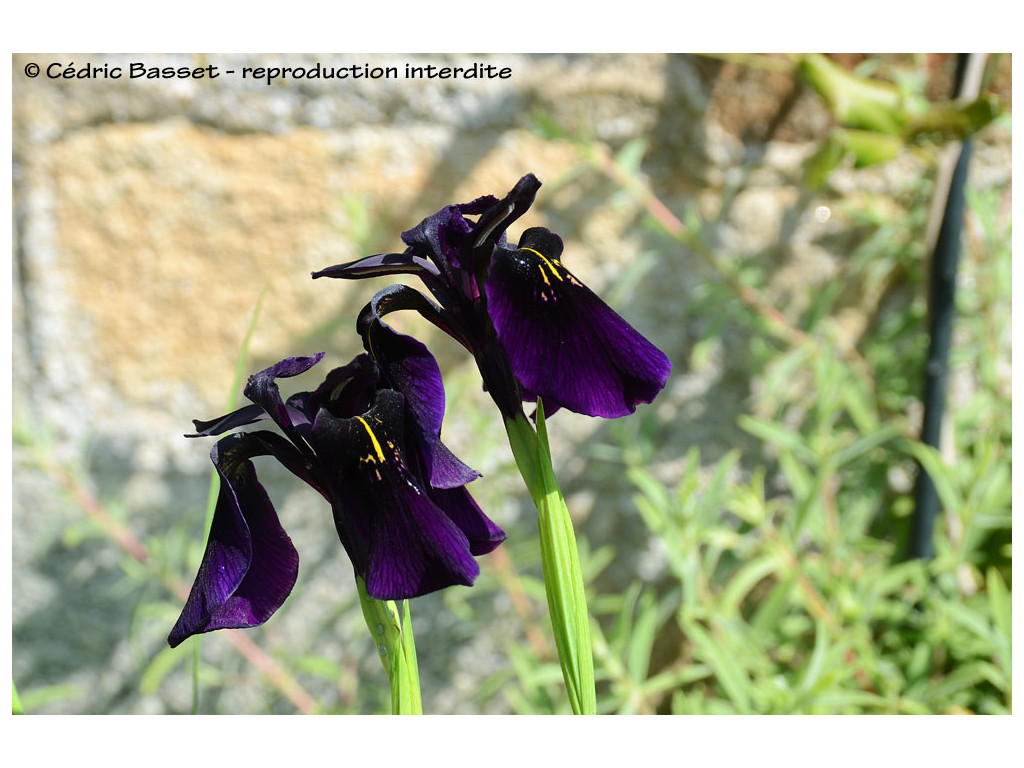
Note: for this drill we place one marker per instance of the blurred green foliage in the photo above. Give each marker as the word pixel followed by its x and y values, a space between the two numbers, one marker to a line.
pixel 878 119
pixel 787 590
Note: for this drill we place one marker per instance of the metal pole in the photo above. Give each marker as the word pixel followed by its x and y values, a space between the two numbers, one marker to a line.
pixel 941 311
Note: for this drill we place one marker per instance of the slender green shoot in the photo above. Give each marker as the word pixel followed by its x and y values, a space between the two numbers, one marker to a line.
pixel 563 577
pixel 391 631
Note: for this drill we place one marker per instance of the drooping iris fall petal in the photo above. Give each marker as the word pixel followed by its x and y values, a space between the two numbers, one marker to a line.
pixel 534 329
pixel 403 543
pixel 483 534
pixel 565 344
pixel 368 440
pixel 250 565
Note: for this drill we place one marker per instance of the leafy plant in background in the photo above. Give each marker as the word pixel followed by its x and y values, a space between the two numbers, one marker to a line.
pixel 879 120
pixel 789 596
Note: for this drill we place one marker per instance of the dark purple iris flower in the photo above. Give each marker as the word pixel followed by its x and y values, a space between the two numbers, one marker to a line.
pixel 533 327
pixel 368 439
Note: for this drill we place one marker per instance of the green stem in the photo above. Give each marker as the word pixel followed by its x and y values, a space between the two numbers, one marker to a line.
pixel 16 707
pixel 563 577
pixel 392 635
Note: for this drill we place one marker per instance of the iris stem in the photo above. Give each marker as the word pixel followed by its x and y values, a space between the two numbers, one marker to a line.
pixel 563 576
pixel 391 630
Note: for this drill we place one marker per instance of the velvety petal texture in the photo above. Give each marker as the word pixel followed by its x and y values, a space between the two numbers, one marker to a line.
pixel 262 389
pixel 368 439
pixel 482 533
pixel 250 565
pixel 534 329
pixel 408 367
pixel 398 537
pixel 565 344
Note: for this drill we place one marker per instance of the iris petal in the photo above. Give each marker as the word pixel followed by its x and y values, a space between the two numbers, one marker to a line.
pixel 344 391
pixel 381 264
pixel 398 296
pixel 409 367
pixel 415 548
pixel 564 343
pixel 250 565
pixel 395 534
pixel 248 414
pixel 441 235
pixel 263 391
pixel 298 461
pixel 267 403
pixel 483 534
pixel 495 220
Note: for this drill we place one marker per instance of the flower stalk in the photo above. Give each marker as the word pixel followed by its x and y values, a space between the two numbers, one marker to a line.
pixel 368 438
pixel 563 576
pixel 391 631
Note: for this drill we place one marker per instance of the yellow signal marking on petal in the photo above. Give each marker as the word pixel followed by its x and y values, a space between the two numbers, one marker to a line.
pixel 369 342
pixel 373 437
pixel 547 261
